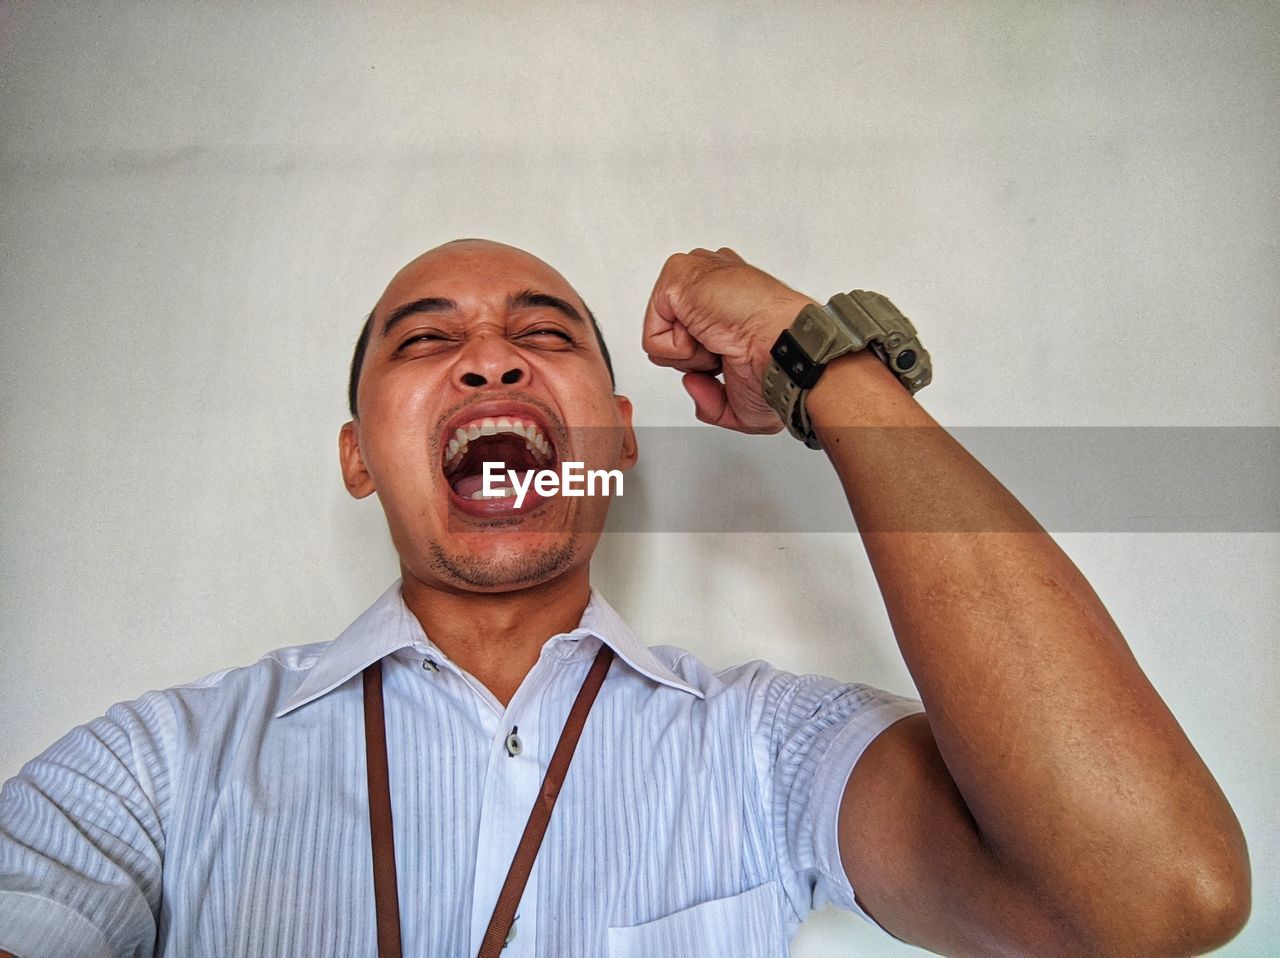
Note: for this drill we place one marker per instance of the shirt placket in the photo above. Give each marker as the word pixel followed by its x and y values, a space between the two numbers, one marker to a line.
pixel 513 776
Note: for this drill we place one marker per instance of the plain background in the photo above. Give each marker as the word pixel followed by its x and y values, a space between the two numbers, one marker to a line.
pixel 1076 203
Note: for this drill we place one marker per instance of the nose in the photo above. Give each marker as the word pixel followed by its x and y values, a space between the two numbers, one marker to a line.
pixel 487 360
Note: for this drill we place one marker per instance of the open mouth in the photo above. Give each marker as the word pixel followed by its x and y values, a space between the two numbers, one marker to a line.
pixel 516 444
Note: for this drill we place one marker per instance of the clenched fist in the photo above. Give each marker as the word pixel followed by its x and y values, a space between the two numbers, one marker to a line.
pixel 714 313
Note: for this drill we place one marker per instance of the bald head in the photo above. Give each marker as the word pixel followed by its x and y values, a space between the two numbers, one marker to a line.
pixel 436 262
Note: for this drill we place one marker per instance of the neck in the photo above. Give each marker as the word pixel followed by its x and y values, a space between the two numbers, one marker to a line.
pixel 498 636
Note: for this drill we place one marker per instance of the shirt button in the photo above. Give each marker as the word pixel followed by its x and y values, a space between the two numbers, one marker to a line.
pixel 512 933
pixel 514 745
pixel 429 664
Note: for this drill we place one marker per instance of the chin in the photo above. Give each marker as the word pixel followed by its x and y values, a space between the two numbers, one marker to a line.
pixel 505 566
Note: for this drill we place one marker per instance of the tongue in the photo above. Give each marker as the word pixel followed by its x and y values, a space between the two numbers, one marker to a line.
pixel 467 486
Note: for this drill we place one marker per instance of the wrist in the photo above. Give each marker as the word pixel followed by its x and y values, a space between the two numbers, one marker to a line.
pixel 858 389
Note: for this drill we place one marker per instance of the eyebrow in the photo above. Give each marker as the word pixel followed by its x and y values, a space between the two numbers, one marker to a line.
pixel 532 299
pixel 431 304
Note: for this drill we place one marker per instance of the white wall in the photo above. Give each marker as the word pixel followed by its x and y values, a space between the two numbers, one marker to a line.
pixel 1077 204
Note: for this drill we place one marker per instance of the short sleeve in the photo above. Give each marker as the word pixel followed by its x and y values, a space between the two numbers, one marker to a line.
pixel 808 733
pixel 82 838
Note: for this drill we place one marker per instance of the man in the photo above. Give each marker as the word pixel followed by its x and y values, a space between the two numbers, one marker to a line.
pixel 1044 802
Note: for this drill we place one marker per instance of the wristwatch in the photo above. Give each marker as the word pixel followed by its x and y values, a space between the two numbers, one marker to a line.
pixel 848 323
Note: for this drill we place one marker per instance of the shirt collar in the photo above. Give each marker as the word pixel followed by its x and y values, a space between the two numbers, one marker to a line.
pixel 599 619
pixel 381 629
pixel 388 626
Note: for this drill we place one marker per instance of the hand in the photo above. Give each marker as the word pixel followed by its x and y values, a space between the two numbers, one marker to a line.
pixel 713 313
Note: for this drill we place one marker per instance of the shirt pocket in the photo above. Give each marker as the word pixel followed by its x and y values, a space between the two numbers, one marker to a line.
pixel 748 925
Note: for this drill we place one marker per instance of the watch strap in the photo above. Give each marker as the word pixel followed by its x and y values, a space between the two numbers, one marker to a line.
pixel 800 356
pixel 850 322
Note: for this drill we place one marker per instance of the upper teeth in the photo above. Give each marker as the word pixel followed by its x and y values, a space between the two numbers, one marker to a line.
pixel 532 435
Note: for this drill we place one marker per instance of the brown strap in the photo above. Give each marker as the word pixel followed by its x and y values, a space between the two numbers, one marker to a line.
pixel 385 894
pixel 386 897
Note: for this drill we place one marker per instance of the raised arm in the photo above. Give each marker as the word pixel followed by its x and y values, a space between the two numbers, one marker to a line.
pixel 1049 803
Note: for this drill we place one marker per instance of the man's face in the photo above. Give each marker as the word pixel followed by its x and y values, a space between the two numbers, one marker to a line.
pixel 479 351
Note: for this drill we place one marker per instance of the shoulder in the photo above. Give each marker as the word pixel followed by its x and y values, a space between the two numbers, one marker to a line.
pixel 261 687
pixel 276 666
pixel 783 708
pixel 152 723
pixel 734 682
pixel 756 680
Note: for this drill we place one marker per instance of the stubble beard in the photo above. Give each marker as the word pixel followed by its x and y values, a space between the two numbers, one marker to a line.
pixel 527 568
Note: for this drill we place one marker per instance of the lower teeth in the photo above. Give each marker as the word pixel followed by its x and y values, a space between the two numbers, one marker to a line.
pixel 504 493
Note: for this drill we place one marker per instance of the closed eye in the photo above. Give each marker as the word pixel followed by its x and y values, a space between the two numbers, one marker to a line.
pixel 559 333
pixel 421 337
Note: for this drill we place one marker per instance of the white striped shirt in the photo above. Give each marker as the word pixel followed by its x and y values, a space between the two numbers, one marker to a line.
pixel 229 817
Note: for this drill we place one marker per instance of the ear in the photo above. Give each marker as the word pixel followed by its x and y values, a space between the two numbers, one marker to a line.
pixel 630 449
pixel 358 481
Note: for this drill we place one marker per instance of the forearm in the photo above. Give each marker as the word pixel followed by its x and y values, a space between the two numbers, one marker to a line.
pixel 1077 776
